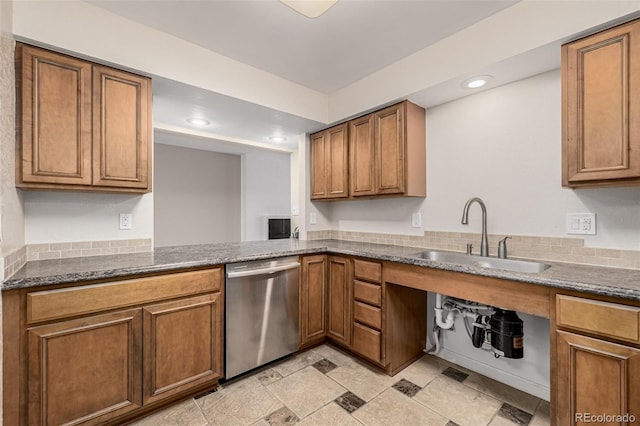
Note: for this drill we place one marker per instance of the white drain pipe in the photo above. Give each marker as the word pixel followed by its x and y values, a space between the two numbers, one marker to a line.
pixel 440 324
pixel 447 323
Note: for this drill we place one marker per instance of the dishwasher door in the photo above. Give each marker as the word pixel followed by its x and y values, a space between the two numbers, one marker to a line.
pixel 261 313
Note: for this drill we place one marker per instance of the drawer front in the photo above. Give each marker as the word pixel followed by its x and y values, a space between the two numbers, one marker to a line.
pixel 370 271
pixel 370 293
pixel 54 304
pixel 367 342
pixel 368 315
pixel 601 318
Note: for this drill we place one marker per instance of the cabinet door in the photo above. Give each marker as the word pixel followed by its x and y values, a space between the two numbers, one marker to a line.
pixel 340 295
pixel 54 107
pixel 329 154
pixel 85 370
pixel 390 150
pixel 596 377
pixel 318 166
pixel 337 155
pixel 313 296
pixel 362 156
pixel 182 345
pixel 121 129
pixel 601 106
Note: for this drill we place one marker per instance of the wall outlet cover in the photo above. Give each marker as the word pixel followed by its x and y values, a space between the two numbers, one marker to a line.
pixel 295 211
pixel 313 218
pixel 126 221
pixel 581 223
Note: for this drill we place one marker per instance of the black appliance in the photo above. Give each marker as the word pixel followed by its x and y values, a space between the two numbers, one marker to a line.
pixel 506 334
pixel 279 228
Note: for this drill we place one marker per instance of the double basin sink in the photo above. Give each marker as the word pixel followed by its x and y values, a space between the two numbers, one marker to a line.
pixel 512 265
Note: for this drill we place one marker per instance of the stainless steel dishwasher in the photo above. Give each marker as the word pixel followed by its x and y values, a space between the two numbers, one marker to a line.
pixel 261 313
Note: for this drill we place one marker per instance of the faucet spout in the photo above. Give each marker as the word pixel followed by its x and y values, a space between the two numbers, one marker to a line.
pixel 484 244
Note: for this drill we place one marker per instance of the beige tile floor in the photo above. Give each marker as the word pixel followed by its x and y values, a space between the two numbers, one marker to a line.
pixel 324 386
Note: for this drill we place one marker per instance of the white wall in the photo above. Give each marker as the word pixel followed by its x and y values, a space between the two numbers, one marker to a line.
pixel 196 196
pixel 266 191
pixel 52 217
pixel 504 146
pixel 11 204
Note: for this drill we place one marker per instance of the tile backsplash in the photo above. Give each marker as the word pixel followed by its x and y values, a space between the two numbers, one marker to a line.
pixel 87 248
pixel 557 249
pixel 14 261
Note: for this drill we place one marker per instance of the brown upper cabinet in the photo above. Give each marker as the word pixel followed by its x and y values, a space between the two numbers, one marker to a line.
pixel 81 126
pixel 386 156
pixel 601 108
pixel 329 163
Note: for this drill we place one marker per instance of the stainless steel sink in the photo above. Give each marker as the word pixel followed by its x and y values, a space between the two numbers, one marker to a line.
pixel 483 261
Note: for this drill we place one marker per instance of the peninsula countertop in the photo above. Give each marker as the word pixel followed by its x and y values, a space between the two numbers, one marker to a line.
pixel 616 282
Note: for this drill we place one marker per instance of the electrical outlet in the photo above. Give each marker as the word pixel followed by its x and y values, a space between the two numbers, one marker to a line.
pixel 416 220
pixel 313 218
pixel 295 211
pixel 581 223
pixel 126 221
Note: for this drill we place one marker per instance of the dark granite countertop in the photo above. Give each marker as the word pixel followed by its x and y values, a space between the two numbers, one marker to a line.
pixel 624 283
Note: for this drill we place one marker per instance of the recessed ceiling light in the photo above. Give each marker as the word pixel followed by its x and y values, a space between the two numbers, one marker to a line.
pixel 476 82
pixel 310 8
pixel 200 122
pixel 277 139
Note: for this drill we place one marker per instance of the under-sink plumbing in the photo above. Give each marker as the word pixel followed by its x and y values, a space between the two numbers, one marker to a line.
pixel 491 329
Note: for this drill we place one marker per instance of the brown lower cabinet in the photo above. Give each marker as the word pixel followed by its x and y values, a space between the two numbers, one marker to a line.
pixel 182 345
pixel 384 324
pixel 85 370
pixel 339 296
pixel 597 357
pixel 313 300
pixel 102 353
pixel 596 377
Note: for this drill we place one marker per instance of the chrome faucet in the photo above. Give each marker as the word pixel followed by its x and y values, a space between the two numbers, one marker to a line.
pixel 484 244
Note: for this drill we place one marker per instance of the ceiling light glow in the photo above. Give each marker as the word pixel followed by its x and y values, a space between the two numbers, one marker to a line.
pixel 277 139
pixel 476 81
pixel 200 122
pixel 310 8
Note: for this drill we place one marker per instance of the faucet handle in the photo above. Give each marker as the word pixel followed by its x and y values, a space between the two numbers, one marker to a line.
pixel 469 248
pixel 502 248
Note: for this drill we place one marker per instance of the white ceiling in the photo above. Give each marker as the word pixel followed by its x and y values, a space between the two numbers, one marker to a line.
pixel 352 40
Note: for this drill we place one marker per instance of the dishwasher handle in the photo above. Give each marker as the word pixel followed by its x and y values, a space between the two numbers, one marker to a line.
pixel 262 271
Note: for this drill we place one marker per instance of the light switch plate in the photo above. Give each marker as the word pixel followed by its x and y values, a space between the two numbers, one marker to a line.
pixel 313 218
pixel 416 220
pixel 581 223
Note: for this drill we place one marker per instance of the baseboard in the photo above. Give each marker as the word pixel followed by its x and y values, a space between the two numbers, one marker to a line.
pixel 536 389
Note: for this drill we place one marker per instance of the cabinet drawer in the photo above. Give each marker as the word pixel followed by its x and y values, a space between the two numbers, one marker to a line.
pixel 601 318
pixel 367 342
pixel 370 293
pixel 368 315
pixel 370 271
pixel 54 304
